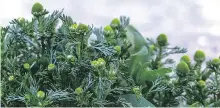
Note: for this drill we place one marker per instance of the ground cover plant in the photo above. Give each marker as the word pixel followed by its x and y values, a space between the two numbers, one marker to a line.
pixel 46 65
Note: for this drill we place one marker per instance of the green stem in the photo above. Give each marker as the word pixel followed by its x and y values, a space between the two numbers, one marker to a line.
pixel 158 58
pixel 198 66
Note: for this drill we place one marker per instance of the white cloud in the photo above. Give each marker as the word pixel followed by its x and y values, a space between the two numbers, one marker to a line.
pixel 10 8
pixel 215 29
pixel 210 11
pixel 203 41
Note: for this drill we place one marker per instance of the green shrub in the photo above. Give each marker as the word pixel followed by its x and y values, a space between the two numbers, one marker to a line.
pixel 46 65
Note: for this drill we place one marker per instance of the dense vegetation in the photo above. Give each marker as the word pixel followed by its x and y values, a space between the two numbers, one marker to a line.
pixel 43 64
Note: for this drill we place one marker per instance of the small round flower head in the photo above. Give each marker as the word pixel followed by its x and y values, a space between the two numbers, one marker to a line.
pixel 201 83
pixel 152 47
pixel 37 7
pixel 83 28
pixel 182 68
pixel 74 26
pixel 118 49
pixel 162 40
pixel 27 66
pixel 136 90
pixel 101 62
pixel 11 78
pixel 51 67
pixel 21 19
pixel 40 94
pixel 199 56
pixel 115 23
pixel 78 90
pixel 112 75
pixel 215 62
pixel 108 30
pixel 186 59
pixel 98 63
pixel 94 63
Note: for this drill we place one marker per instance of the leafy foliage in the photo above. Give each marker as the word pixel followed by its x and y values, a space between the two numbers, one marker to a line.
pixel 46 65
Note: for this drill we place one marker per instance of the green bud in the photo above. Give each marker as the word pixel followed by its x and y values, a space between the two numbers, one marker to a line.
pixel 108 30
pixel 11 78
pixel 118 49
pixel 186 59
pixel 215 62
pixel 40 94
pixel 115 23
pixel 152 47
pixel 37 7
pixel 201 83
pixel 101 62
pixel 27 66
pixel 182 68
pixel 94 63
pixel 51 67
pixel 78 90
pixel 199 56
pixel 21 20
pixel 112 75
pixel 98 63
pixel 74 26
pixel 136 89
pixel 162 40
pixel 83 28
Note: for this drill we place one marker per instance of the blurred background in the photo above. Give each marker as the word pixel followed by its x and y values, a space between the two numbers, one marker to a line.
pixel 192 24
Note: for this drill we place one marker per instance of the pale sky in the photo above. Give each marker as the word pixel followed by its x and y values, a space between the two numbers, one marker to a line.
pixel 196 20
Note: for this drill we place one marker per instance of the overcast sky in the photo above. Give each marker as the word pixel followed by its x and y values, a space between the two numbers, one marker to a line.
pixel 194 24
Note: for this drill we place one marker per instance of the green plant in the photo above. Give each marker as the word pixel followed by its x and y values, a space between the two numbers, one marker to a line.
pixel 55 66
pixel 46 65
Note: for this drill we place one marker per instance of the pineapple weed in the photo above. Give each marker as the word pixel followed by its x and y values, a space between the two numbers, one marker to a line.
pixel 46 65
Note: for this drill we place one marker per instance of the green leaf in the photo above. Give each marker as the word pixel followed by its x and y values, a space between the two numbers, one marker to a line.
pixel 138 62
pixel 151 75
pixel 141 102
pixel 135 37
